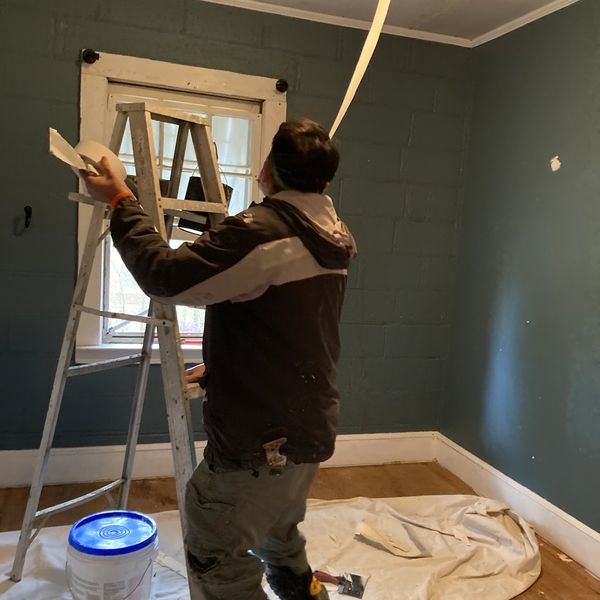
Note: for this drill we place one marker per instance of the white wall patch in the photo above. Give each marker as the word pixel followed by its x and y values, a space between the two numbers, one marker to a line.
pixel 555 164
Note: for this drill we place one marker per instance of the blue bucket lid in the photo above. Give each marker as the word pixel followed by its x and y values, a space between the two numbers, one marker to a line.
pixel 112 532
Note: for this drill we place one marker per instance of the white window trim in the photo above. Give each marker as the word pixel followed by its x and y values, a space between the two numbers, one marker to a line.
pixel 115 68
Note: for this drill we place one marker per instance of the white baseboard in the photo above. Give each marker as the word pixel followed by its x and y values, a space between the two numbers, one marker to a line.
pixel 573 537
pixel 101 463
pixel 91 463
pixel 383 448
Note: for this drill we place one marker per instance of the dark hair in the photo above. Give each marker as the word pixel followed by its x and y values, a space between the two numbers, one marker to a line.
pixel 303 156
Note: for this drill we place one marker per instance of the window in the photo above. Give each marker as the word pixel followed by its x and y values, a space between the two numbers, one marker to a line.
pixel 244 112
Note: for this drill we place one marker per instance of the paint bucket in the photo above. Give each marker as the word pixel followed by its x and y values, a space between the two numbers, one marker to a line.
pixel 110 556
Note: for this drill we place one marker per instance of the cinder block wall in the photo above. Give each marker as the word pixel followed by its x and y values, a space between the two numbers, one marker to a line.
pixel 400 189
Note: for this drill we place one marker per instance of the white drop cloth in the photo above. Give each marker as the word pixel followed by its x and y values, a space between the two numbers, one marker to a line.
pixel 421 548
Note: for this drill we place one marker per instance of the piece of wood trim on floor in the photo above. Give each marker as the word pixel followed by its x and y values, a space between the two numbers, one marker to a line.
pixel 573 537
pixel 100 463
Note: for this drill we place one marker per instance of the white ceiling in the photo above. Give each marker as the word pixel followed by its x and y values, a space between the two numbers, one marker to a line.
pixel 461 22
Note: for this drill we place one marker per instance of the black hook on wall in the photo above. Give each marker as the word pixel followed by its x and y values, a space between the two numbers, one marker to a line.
pixel 28 213
pixel 20 225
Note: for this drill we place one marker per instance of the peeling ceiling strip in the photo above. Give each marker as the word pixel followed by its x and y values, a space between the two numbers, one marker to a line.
pixel 363 61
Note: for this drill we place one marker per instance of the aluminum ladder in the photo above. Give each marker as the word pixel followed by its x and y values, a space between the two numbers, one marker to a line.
pixel 161 318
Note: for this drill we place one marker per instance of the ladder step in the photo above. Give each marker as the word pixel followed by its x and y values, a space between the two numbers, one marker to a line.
pixel 57 508
pixel 84 199
pixel 193 205
pixel 104 365
pixel 188 216
pixel 123 316
pixel 166 203
pixel 162 113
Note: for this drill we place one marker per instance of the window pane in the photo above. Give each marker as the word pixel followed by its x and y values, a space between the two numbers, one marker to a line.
pixel 170 133
pixel 125 296
pixel 127 145
pixel 241 193
pixel 232 136
pixel 191 321
pixel 190 154
pixel 183 184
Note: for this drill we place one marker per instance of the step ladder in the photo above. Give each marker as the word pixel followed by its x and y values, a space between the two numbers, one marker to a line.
pixel 161 318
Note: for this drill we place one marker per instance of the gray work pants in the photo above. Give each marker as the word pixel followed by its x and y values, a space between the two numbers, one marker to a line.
pixel 229 513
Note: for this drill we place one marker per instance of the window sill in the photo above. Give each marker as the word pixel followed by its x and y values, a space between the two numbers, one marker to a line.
pixel 192 353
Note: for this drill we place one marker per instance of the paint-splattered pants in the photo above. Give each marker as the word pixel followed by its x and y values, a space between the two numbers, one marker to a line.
pixel 230 513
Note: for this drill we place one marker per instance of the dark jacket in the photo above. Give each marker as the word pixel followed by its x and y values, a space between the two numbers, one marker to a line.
pixel 273 280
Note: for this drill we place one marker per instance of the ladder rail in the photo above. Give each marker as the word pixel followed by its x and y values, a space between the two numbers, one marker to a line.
pixel 206 157
pixel 135 419
pixel 178 158
pixel 182 443
pixel 182 392
pixel 56 395
pixel 116 139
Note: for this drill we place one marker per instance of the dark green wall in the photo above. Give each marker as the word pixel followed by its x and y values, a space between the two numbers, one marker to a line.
pixel 524 391
pixel 399 188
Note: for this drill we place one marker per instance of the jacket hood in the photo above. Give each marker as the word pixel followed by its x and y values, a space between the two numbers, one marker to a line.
pixel 314 220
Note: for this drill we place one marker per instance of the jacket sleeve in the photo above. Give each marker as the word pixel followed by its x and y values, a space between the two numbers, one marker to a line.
pixel 166 273
pixel 238 260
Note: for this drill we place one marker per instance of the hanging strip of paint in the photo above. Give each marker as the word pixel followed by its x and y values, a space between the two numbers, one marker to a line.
pixel 363 61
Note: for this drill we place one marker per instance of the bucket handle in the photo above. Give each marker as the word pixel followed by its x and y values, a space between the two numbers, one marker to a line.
pixel 124 597
pixel 139 582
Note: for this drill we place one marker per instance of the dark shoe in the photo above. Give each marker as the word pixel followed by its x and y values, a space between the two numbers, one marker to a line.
pixel 289 586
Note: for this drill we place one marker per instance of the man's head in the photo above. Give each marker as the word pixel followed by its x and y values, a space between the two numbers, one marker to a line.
pixel 302 158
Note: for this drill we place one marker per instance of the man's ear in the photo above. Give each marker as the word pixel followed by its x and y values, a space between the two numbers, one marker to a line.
pixel 269 174
pixel 265 179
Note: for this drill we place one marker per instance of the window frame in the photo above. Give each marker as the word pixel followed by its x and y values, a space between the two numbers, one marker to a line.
pixel 210 106
pixel 94 95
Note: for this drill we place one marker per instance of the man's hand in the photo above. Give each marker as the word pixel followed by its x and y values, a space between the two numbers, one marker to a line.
pixel 104 187
pixel 195 373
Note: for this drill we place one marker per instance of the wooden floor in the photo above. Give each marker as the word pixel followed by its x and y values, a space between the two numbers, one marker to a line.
pixel 560 580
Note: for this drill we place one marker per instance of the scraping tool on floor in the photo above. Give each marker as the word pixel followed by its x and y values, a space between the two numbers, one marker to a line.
pixel 352 587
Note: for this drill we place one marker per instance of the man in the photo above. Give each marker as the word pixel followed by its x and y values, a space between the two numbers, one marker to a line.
pixel 273 280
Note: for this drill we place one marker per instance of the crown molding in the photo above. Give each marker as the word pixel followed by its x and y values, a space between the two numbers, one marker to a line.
pixel 308 15
pixel 534 15
pixel 417 34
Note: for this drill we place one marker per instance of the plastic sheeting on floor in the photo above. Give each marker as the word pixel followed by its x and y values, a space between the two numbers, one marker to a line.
pixel 421 548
